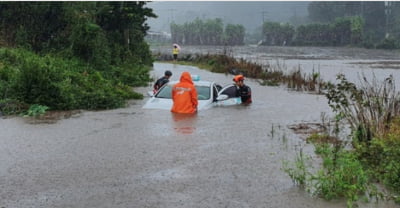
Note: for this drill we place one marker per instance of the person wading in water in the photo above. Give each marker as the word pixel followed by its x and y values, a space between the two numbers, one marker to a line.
pixel 243 91
pixel 162 81
pixel 184 95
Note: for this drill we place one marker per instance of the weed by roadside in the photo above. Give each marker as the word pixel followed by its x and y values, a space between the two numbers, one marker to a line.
pixel 264 74
pixel 35 110
pixel 372 112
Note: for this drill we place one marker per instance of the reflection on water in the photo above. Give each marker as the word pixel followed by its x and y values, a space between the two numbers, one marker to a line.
pixel 184 123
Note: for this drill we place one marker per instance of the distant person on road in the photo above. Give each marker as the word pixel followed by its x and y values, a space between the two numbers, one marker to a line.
pixel 184 95
pixel 243 91
pixel 175 52
pixel 162 81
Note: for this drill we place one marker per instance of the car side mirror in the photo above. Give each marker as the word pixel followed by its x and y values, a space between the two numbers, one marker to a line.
pixel 222 97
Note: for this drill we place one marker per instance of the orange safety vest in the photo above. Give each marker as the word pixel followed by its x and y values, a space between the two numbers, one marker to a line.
pixel 184 95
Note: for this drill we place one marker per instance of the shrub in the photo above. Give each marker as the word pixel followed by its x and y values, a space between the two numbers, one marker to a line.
pixel 129 74
pixel 382 157
pixel 388 43
pixel 65 84
pixel 340 176
pixel 7 77
pixel 36 110
pixel 12 107
pixel 36 81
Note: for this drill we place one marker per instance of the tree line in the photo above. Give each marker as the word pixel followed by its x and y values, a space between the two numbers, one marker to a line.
pixel 357 23
pixel 207 32
pixel 72 55
pixel 367 24
pixel 343 31
pixel 100 33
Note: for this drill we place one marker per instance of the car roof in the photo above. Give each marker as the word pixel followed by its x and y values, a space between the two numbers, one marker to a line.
pixel 197 83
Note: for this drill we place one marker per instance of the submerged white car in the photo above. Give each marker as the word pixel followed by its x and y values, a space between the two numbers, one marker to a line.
pixel 209 94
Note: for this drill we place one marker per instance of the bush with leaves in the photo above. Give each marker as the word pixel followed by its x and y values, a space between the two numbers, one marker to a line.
pixel 369 108
pixel 381 157
pixel 64 84
pixel 341 174
pixel 373 113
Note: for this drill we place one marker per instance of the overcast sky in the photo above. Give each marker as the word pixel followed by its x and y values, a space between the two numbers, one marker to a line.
pixel 250 14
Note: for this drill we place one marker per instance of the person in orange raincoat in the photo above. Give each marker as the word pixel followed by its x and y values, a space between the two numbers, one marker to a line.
pixel 184 95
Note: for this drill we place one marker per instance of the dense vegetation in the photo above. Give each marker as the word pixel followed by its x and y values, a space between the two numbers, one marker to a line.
pixel 72 55
pixel 272 75
pixel 372 112
pixel 209 32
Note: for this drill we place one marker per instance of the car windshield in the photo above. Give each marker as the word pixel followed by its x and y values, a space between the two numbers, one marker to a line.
pixel 203 92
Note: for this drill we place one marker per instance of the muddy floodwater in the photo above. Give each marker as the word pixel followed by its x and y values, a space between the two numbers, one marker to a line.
pixel 221 157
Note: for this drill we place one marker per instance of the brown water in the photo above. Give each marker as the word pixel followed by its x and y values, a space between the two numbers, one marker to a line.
pixel 134 157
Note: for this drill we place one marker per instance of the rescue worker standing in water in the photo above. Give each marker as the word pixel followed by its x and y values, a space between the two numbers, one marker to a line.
pixel 184 95
pixel 243 91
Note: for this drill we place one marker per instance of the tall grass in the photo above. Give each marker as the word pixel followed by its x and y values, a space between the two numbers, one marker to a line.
pixel 372 110
pixel 265 74
pixel 369 108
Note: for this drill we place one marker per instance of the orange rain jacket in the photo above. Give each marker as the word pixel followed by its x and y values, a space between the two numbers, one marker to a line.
pixel 184 95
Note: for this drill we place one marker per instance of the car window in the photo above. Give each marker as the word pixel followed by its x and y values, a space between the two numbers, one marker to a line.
pixel 165 92
pixel 203 92
pixel 231 91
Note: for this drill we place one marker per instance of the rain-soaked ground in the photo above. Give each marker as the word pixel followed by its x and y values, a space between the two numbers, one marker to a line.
pixel 134 157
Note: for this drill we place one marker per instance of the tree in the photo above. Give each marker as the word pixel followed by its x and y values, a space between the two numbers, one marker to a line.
pixel 100 33
pixel 234 34
pixel 199 32
pixel 125 25
pixel 341 30
pixel 31 24
pixel 372 12
pixel 278 34
pixel 357 29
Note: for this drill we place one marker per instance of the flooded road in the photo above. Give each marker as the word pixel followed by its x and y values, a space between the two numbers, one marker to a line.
pixel 134 157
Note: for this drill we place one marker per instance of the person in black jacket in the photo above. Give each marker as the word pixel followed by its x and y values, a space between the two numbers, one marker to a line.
pixel 162 81
pixel 243 91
